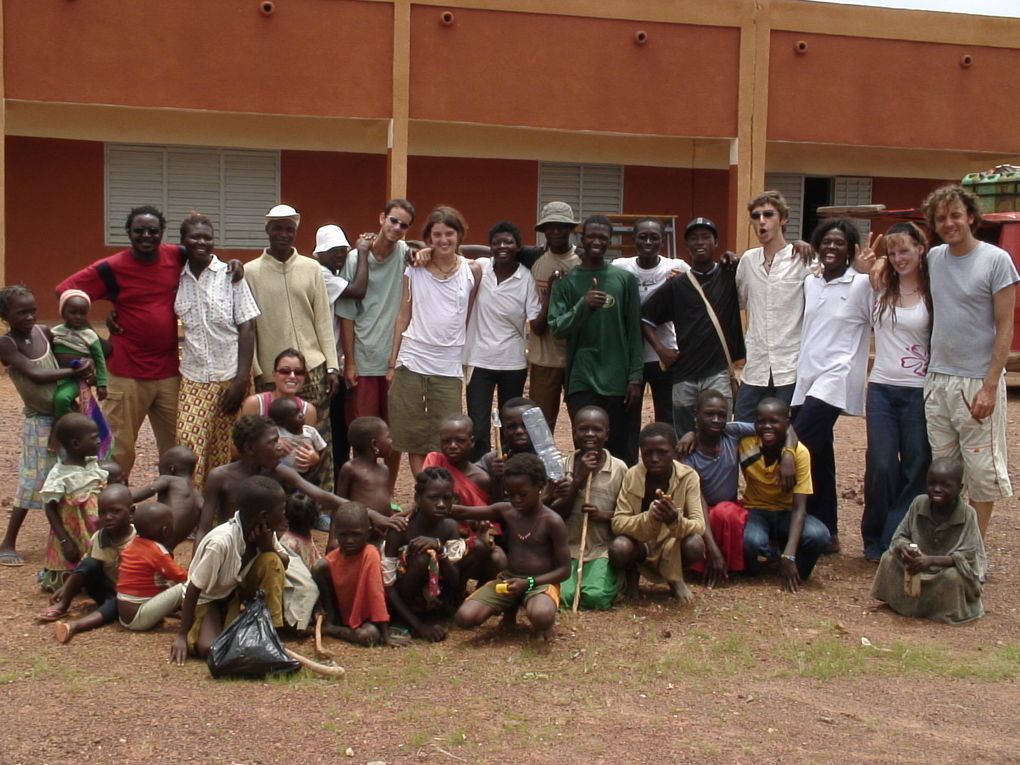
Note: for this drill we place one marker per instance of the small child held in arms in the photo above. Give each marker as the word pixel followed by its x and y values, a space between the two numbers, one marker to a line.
pixel 539 558
pixel 301 515
pixel 592 492
pixel 96 573
pixel 175 488
pixel 231 563
pixel 26 351
pixel 938 541
pixel 71 494
pixel 420 563
pixel 301 444
pixel 73 341
pixel 150 584
pixel 659 519
pixel 350 582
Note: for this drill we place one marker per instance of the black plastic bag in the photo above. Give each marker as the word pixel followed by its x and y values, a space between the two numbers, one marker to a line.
pixel 249 646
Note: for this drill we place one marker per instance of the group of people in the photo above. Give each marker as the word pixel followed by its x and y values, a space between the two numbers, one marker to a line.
pixel 362 353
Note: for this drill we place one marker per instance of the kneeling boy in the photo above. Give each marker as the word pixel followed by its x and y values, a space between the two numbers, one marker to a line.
pixel 658 518
pixel 231 563
pixel 538 556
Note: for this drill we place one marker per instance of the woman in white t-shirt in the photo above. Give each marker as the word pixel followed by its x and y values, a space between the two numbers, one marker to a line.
pixel 833 361
pixel 494 355
pixel 898 450
pixel 426 370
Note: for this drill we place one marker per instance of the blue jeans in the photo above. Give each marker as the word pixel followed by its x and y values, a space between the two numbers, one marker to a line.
pixel 765 536
pixel 897 461
pixel 749 396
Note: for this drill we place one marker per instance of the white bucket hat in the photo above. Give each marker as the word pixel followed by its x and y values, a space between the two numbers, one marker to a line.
pixel 284 212
pixel 328 237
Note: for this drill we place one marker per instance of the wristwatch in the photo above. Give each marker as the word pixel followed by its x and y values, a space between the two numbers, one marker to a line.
pixel 791 558
pixel 332 371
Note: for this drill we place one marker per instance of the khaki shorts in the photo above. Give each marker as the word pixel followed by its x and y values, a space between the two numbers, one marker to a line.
pixel 417 405
pixel 952 432
pixel 487 594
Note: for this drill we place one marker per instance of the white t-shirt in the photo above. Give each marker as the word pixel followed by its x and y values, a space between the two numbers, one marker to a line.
pixel 496 332
pixel 433 343
pixel 649 280
pixel 833 360
pixel 962 291
pixel 901 347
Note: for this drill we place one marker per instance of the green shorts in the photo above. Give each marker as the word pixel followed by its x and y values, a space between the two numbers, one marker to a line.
pixel 417 405
pixel 598 588
pixel 487 594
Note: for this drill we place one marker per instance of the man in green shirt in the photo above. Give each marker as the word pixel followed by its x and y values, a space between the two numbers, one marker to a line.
pixel 598 310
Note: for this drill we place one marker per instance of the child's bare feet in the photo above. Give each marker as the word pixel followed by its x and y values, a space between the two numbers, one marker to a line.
pixel 681 592
pixel 64 632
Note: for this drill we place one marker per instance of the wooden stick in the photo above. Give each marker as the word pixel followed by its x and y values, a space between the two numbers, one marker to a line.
pixel 320 669
pixel 583 547
pixel 496 427
pixel 319 649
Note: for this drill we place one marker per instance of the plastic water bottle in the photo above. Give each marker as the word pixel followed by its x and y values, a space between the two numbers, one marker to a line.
pixel 542 439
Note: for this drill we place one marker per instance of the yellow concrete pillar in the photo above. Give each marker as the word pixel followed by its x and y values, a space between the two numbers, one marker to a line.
pixel 747 152
pixel 3 163
pixel 397 135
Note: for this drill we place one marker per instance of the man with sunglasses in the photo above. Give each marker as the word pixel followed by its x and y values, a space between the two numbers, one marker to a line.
pixel 770 283
pixel 296 313
pixel 366 323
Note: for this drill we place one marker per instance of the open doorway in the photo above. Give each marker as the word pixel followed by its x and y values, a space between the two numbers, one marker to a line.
pixel 817 193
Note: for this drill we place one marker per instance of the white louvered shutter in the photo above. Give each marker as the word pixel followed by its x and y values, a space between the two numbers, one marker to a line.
pixel 135 176
pixel 791 186
pixel 588 189
pixel 849 191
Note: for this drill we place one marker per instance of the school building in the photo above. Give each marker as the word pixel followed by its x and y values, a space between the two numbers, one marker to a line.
pixel 676 107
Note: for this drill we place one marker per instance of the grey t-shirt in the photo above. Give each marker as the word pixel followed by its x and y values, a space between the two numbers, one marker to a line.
pixel 719 473
pixel 962 289
pixel 374 315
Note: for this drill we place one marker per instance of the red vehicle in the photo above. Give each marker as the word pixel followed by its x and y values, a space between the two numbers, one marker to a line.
pixel 998 228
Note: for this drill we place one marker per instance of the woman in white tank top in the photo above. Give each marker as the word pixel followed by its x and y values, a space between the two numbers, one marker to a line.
pixel 898 451
pixel 426 370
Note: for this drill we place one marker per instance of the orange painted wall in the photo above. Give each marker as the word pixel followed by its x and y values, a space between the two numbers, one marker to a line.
pixel 309 57
pixel 574 73
pixel 483 190
pixel 683 192
pixel 346 189
pixel 898 93
pixel 899 194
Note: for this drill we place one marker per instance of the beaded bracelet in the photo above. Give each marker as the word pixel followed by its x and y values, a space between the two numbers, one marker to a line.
pixel 531 584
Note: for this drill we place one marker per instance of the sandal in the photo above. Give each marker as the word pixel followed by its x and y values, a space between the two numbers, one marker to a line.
pixel 52 614
pixel 11 559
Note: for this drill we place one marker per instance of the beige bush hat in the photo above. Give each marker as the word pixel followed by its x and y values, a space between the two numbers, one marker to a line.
pixel 556 212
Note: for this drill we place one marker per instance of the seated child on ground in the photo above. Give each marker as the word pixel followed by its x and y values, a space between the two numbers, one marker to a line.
pixel 301 444
pixel 96 573
pixel 420 563
pixel 73 341
pixel 231 563
pixel 484 559
pixel 777 518
pixel 150 584
pixel 71 494
pixel 939 542
pixel 301 516
pixel 351 583
pixel 175 488
pixel 539 558
pixel 659 519
pixel 577 498
pixel 365 478
pixel 515 440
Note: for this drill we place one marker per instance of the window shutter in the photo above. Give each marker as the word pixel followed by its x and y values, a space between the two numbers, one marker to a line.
pixel 588 189
pixel 849 191
pixel 233 188
pixel 791 186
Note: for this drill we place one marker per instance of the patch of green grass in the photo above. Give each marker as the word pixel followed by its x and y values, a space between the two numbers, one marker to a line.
pixel 827 658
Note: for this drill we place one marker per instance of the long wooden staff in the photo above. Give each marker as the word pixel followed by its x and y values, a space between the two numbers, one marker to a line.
pixel 496 426
pixel 319 669
pixel 583 547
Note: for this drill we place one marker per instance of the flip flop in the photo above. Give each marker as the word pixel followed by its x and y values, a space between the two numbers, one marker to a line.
pixel 11 559
pixel 52 614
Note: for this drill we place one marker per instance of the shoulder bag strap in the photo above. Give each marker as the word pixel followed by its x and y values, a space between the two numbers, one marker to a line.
pixel 711 315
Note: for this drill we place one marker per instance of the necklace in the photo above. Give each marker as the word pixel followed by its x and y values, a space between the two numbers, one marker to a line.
pixel 907 294
pixel 447 273
pixel 526 537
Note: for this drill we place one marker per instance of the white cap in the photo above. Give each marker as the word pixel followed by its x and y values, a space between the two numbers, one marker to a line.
pixel 328 237
pixel 284 211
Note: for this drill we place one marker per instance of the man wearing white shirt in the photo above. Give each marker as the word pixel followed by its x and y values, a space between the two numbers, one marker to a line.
pixel 770 281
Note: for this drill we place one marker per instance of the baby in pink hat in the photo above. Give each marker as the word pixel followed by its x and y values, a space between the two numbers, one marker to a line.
pixel 74 341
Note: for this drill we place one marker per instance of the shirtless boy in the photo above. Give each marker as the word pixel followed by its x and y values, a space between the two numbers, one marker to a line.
pixel 363 479
pixel 420 563
pixel 175 488
pixel 539 559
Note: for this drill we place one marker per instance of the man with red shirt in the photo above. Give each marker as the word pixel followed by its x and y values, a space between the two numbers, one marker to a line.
pixel 141 282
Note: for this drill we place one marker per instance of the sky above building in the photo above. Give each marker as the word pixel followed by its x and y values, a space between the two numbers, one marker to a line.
pixel 1010 8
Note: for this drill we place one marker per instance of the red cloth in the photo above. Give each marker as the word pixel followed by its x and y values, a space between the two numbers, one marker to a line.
pixel 144 300
pixel 146 569
pixel 358 585
pixel 727 520
pixel 466 489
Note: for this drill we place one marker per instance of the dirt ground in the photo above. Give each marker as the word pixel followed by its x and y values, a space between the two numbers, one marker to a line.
pixel 748 674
